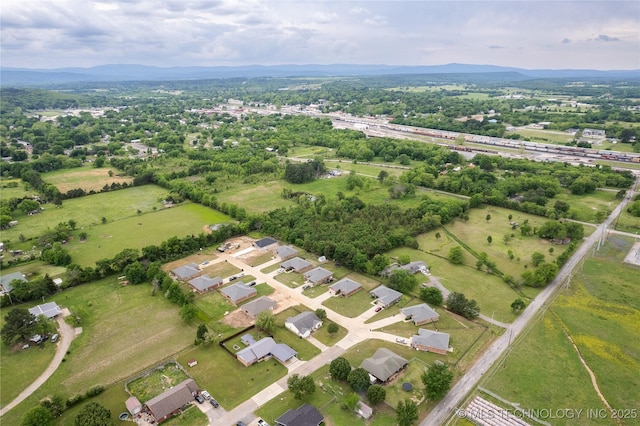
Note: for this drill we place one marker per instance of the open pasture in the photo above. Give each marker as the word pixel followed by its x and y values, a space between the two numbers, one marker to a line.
pixel 14 188
pixel 88 211
pixel 592 207
pixel 87 178
pixel 105 241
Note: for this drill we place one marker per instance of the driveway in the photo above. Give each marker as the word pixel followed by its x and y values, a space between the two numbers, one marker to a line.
pixel 67 334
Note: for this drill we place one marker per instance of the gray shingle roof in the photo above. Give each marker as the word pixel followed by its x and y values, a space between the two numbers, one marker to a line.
pixel 283 352
pixel 420 313
pixel 345 286
pixel 304 321
pixel 187 271
pixel 261 304
pixel 265 242
pixel 238 291
pixel 434 339
pixel 286 251
pixel 205 282
pixel 297 264
pixel 383 364
pixel 386 295
pixel 305 415
pixel 317 275
pixel 172 399
pixel 5 280
pixel 264 347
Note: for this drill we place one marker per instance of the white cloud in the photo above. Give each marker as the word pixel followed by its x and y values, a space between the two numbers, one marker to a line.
pixel 529 34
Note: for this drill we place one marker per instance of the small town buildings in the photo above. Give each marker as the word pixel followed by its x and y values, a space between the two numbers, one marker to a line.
pixel 259 305
pixel 264 243
pixel 296 264
pixel 204 283
pixel 305 415
pixel 238 292
pixel 430 341
pixel 6 280
pixel 385 296
pixel 49 310
pixel 263 349
pixel 318 276
pixel 186 272
pixel 286 252
pixel 345 287
pixel 303 324
pixel 171 401
pixel 420 314
pixel 383 365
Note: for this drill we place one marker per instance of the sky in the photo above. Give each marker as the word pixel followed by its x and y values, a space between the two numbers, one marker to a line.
pixel 601 35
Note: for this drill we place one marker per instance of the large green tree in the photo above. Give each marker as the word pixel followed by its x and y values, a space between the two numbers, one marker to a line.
pixel 376 394
pixel 459 304
pixel 37 416
pixel 19 323
pixel 437 381
pixel 301 386
pixel 407 413
pixel 93 414
pixel 339 368
pixel 266 321
pixel 456 255
pixel 358 379
pixel 402 280
pixel 431 295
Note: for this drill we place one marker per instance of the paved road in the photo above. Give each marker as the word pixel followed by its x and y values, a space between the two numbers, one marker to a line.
pixel 67 334
pixel 447 406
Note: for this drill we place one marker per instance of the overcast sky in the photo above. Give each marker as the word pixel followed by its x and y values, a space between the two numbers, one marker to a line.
pixel 527 34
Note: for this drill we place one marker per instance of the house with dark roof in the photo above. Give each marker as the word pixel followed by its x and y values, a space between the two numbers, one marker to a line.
pixel 385 296
pixel 318 276
pixel 5 281
pixel 259 305
pixel 286 252
pixel 420 314
pixel 171 401
pixel 204 283
pixel 238 292
pixel 305 415
pixel 186 272
pixel 264 349
pixel 49 310
pixel 264 243
pixel 383 365
pixel 303 324
pixel 296 264
pixel 345 287
pixel 430 341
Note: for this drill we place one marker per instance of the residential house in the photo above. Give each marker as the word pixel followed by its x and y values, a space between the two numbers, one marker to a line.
pixel 6 280
pixel 345 287
pixel 259 305
pixel 264 349
pixel 296 264
pixel 383 365
pixel 430 341
pixel 286 252
pixel 412 267
pixel 171 401
pixel 303 324
pixel 385 296
pixel 205 283
pixel 420 314
pixel 186 272
pixel 318 276
pixel 238 292
pixel 264 243
pixel 305 415
pixel 50 310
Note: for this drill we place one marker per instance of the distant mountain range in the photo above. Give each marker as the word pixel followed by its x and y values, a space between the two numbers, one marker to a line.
pixel 105 73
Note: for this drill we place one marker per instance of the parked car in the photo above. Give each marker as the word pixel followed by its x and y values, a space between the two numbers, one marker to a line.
pixel 241 423
pixel 306 286
pixel 400 340
pixel 199 398
pixel 251 284
pixel 233 278
pixel 54 338
pixel 205 394
pixel 379 308
pixel 262 423
pixel 214 403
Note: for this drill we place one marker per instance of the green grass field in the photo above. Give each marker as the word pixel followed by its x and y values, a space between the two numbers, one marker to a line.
pixel 120 338
pixel 586 207
pixel 601 312
pixel 14 188
pixel 105 241
pixel 87 177
pixel 351 306
pixel 628 223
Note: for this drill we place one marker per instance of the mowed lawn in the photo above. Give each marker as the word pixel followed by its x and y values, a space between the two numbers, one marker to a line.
pixel 125 331
pixel 88 211
pixel 105 241
pixel 88 178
